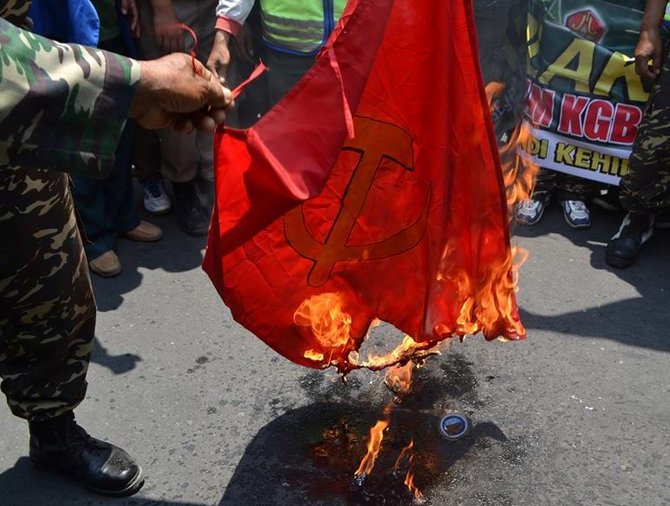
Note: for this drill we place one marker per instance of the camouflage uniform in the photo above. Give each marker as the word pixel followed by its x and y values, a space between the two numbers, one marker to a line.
pixel 646 187
pixel 62 109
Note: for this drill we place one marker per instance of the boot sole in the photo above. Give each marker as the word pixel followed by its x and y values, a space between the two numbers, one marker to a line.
pixel 132 488
pixel 105 274
pixel 199 232
pixel 618 262
pixel 577 227
pixel 158 213
pixel 143 239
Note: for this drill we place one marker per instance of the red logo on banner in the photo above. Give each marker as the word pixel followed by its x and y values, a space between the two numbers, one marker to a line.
pixel 587 24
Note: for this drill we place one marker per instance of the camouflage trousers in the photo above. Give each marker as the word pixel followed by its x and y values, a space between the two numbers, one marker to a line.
pixel 567 186
pixel 646 186
pixel 47 311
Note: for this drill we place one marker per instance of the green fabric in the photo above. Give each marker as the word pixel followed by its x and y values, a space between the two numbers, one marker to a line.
pixel 297 25
pixel 62 106
pixel 109 23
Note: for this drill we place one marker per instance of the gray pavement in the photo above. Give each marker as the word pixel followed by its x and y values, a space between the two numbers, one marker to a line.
pixel 577 414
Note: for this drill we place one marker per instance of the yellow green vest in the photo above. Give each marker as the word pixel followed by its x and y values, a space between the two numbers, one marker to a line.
pixel 299 26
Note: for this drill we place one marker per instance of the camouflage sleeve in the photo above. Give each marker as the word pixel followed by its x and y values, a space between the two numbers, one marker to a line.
pixel 15 11
pixel 62 106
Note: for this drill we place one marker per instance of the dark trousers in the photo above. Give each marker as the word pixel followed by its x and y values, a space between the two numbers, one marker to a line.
pixel 567 187
pixel 285 71
pixel 107 207
pixel 261 95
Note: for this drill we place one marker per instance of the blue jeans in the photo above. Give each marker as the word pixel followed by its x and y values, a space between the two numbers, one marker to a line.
pixel 106 207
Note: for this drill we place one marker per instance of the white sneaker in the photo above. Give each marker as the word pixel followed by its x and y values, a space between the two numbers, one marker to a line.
pixel 156 201
pixel 576 214
pixel 529 212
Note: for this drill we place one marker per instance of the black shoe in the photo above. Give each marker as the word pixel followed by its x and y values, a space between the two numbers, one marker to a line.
pixel 608 199
pixel 62 445
pixel 193 217
pixel 625 246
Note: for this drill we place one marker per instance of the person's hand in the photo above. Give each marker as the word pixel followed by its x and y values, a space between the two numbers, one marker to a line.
pixel 168 32
pixel 219 58
pixel 172 94
pixel 648 54
pixel 130 11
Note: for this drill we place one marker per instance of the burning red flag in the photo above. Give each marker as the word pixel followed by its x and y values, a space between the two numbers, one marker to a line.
pixel 316 234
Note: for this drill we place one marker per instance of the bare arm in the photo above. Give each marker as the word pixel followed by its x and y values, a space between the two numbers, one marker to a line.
pixel 169 35
pixel 649 49
pixel 231 15
pixel 63 106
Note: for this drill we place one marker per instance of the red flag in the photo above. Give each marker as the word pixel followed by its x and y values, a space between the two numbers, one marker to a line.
pixel 315 234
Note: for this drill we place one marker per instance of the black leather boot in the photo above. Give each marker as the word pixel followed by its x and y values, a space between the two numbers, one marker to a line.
pixel 62 445
pixel 624 248
pixel 192 215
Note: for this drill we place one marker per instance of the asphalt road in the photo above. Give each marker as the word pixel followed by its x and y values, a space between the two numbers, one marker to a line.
pixel 577 414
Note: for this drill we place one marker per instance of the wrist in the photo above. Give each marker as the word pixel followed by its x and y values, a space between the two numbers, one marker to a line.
pixel 144 90
pixel 163 12
pixel 650 29
pixel 223 36
pixel 227 26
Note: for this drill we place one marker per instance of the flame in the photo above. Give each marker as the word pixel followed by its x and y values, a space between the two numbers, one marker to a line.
pixel 487 304
pixel 399 378
pixel 374 446
pixel 314 355
pixel 519 170
pixel 409 482
pixel 494 90
pixel 329 323
pixel 408 350
pixel 408 452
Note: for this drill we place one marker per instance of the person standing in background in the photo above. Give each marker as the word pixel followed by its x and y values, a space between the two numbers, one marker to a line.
pixel 147 163
pixel 186 161
pixel 107 207
pixel 571 191
pixel 645 190
pixel 293 32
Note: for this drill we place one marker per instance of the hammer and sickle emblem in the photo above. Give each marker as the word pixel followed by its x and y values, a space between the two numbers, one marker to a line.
pixel 375 142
